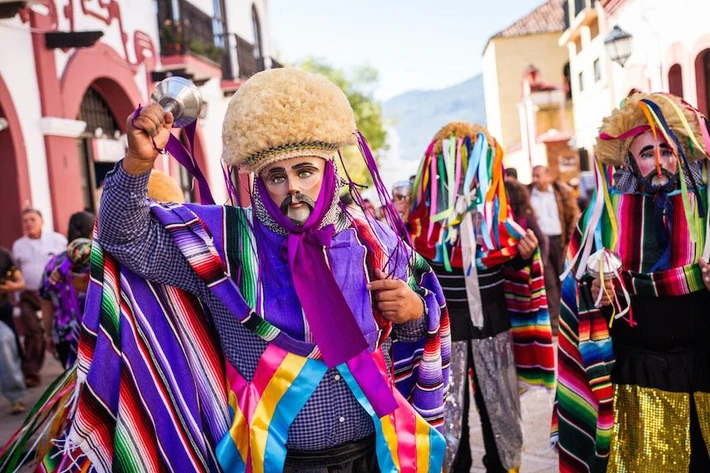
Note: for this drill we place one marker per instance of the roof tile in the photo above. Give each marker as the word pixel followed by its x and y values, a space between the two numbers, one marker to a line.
pixel 547 18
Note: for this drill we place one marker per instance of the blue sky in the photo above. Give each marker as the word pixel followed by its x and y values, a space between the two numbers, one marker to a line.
pixel 414 44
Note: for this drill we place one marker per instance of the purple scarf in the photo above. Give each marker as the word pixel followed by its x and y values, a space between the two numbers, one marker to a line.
pixel 332 323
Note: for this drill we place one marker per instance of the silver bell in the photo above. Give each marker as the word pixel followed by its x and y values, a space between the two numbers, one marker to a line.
pixel 612 264
pixel 179 96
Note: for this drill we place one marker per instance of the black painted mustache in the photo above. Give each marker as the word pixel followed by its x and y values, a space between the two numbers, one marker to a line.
pixel 296 199
pixel 673 181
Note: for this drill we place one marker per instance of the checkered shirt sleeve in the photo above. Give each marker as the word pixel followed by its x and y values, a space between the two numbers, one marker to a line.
pixel 127 231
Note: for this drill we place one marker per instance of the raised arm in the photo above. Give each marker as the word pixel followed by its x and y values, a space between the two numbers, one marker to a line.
pixel 126 229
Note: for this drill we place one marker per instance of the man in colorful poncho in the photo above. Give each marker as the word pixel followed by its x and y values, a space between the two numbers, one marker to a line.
pixel 218 338
pixel 491 274
pixel 634 356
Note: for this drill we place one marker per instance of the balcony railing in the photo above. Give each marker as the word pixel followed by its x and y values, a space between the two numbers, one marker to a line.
pixel 187 30
pixel 247 58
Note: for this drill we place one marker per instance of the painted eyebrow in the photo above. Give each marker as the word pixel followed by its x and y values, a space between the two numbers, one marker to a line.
pixel 303 165
pixel 650 147
pixel 275 170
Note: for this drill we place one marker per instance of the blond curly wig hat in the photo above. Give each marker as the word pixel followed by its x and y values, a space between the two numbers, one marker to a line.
pixel 612 149
pixel 163 188
pixel 285 113
pixel 460 130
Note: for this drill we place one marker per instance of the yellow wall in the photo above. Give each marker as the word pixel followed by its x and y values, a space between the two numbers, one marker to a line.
pixel 504 61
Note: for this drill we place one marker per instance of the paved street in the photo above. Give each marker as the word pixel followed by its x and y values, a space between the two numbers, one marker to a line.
pixel 9 423
pixel 536 408
pixel 537 456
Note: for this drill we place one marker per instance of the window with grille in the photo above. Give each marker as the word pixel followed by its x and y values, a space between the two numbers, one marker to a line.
pixel 97 114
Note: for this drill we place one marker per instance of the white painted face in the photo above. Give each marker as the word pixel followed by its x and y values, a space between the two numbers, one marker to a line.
pixel 643 149
pixel 294 185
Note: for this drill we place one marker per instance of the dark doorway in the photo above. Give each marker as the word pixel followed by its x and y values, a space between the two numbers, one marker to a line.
pixel 101 124
pixel 702 79
pixel 675 80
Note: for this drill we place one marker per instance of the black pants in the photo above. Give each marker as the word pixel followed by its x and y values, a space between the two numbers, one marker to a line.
pixel 64 349
pixel 699 457
pixel 553 285
pixel 463 460
pixel 353 457
pixel 33 332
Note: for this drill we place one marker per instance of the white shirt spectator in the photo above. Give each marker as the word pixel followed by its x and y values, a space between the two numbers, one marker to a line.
pixel 31 255
pixel 548 215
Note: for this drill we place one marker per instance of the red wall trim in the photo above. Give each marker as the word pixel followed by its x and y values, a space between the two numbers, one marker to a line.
pixel 101 67
pixel 62 160
pixel 14 164
pixel 110 75
pixel 46 67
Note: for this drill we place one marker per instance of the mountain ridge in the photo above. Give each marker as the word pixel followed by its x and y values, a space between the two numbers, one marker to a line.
pixel 416 115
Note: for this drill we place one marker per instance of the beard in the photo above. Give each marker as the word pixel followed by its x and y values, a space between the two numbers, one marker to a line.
pixel 300 214
pixel 653 183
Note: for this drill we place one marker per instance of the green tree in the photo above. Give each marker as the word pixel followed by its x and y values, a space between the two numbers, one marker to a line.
pixel 358 86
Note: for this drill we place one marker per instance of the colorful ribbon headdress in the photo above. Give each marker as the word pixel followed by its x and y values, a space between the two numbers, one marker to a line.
pixel 682 126
pixel 462 175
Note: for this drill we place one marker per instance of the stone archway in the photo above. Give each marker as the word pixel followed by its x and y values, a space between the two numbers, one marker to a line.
pixel 15 191
pixel 702 80
pixel 675 80
pixel 677 72
pixel 103 70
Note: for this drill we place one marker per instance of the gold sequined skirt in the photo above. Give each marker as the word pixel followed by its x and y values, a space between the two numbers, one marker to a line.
pixel 652 429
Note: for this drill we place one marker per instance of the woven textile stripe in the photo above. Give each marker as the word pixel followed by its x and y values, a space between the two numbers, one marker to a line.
pixel 47 417
pixel 136 409
pixel 639 254
pixel 583 418
pixel 376 258
pixel 152 380
pixel 430 381
pixel 526 301
pixel 398 451
pixel 241 242
pixel 54 461
pixel 264 409
pixel 576 404
pixel 436 222
pixel 422 368
pixel 195 241
pixel 426 397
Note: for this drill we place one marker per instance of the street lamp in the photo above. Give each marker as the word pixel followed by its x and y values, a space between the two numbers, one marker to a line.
pixel 619 45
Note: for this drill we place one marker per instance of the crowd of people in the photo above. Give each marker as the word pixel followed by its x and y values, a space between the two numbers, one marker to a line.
pixel 317 331
pixel 45 277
